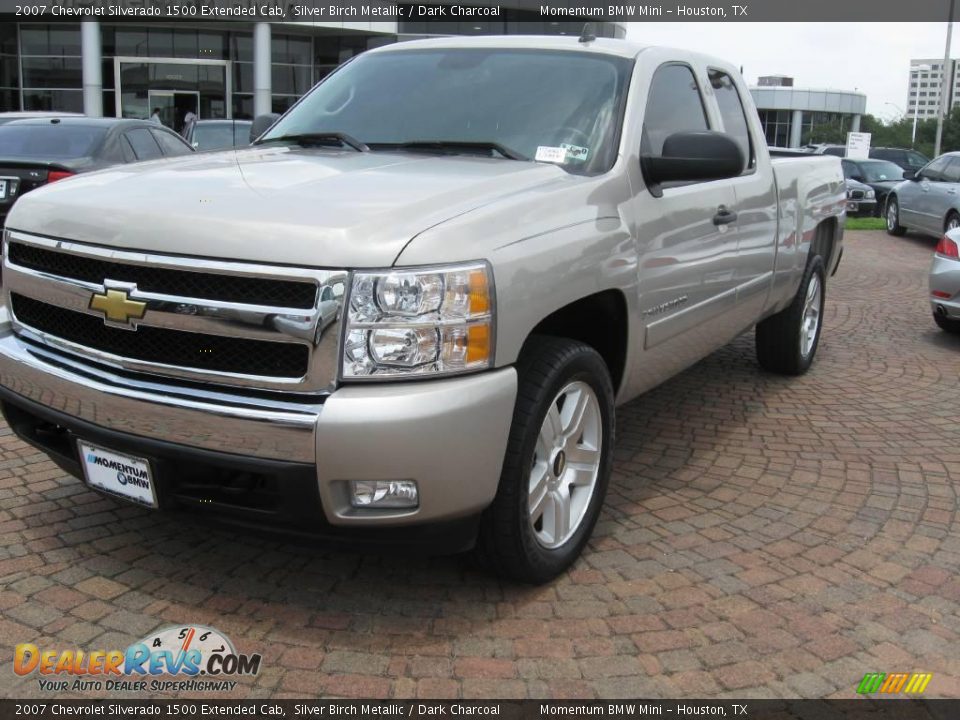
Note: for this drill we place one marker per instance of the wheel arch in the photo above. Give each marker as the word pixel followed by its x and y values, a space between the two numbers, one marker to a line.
pixel 600 321
pixel 827 238
pixel 946 217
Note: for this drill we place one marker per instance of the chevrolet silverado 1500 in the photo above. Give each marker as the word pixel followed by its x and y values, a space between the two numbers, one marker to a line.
pixel 407 313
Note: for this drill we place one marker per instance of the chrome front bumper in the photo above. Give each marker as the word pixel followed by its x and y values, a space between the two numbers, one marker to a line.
pixel 448 435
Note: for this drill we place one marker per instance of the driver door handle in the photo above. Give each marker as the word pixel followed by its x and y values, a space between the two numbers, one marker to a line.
pixel 724 216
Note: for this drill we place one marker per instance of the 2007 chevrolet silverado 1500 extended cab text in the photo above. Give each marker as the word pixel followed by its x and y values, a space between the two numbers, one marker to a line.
pixel 408 312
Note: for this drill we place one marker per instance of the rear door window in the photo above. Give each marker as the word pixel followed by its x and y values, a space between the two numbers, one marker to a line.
pixel 143 144
pixel 171 146
pixel 733 115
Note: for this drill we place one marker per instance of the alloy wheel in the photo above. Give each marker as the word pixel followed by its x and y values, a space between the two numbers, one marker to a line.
pixel 566 464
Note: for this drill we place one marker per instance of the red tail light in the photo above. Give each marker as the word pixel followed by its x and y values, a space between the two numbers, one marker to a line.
pixel 55 175
pixel 948 248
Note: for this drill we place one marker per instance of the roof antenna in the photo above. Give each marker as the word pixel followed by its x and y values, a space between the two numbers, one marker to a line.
pixel 587 35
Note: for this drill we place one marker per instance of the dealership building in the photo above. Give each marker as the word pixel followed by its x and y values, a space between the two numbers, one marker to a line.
pixel 234 69
pixel 789 114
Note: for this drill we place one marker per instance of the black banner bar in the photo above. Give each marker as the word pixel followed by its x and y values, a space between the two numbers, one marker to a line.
pixel 451 10
pixel 866 709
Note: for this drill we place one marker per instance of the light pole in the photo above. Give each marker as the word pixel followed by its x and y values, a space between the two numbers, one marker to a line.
pixel 913 136
pixel 944 83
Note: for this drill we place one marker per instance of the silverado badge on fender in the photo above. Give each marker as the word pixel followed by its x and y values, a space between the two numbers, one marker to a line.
pixel 117 307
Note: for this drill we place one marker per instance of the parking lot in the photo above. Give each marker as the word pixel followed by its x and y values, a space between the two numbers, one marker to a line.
pixel 763 537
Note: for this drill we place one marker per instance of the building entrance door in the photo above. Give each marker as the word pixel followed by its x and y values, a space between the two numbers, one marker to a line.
pixel 175 86
pixel 174 106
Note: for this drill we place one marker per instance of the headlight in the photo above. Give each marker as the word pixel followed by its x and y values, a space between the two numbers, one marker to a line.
pixel 871 194
pixel 430 321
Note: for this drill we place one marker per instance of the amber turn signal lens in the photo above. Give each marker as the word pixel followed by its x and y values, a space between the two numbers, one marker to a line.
pixel 478 343
pixel 479 293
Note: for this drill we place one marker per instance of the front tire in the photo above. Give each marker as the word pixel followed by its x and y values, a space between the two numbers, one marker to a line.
pixel 893 218
pixel 557 465
pixel 787 342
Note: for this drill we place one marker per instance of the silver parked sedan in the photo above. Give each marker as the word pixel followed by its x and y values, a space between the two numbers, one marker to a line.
pixel 945 282
pixel 928 202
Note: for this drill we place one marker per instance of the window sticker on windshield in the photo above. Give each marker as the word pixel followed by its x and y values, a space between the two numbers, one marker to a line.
pixel 575 152
pixel 545 153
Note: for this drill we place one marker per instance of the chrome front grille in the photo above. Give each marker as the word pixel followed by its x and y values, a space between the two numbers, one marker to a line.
pixel 236 324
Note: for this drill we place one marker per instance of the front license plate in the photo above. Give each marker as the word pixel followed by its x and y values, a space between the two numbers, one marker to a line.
pixel 3 189
pixel 126 476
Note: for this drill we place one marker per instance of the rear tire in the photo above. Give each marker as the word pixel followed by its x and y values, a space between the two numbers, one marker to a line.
pixel 556 470
pixel 947 324
pixel 952 221
pixel 893 217
pixel 787 342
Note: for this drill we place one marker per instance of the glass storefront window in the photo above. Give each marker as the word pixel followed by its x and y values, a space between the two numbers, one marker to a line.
pixel 106 73
pixel 290 50
pixel 132 43
pixel 212 45
pixel 59 39
pixel 52 72
pixel 109 104
pixel 243 77
pixel 9 99
pixel 65 100
pixel 160 42
pixel 185 44
pixel 8 38
pixel 243 107
pixel 241 47
pixel 291 79
pixel 281 103
pixel 9 74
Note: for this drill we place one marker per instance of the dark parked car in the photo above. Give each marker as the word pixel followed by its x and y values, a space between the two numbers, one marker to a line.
pixel 881 175
pixel 861 199
pixel 218 134
pixel 910 160
pixel 40 151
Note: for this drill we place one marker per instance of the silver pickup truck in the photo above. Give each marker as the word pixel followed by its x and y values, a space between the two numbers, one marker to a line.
pixel 406 315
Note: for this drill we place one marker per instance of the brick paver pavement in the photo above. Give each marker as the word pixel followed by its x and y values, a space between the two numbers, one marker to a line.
pixel 762 537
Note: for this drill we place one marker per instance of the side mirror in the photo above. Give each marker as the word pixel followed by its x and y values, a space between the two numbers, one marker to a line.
pixel 858 178
pixel 694 156
pixel 262 123
pixel 910 175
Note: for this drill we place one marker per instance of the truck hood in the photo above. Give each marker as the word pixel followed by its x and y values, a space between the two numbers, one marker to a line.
pixel 310 207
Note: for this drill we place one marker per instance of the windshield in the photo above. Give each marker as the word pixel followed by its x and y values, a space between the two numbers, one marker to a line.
pixel 53 140
pixel 523 100
pixel 880 170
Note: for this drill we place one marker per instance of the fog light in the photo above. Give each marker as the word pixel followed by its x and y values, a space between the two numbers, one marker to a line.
pixel 384 494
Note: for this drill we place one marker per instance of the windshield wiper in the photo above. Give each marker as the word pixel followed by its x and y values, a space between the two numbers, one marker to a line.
pixel 320 138
pixel 453 145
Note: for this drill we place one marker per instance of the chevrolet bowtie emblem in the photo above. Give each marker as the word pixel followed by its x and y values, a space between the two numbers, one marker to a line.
pixel 117 306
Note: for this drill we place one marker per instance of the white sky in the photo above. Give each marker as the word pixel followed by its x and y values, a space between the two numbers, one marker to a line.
pixel 872 58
